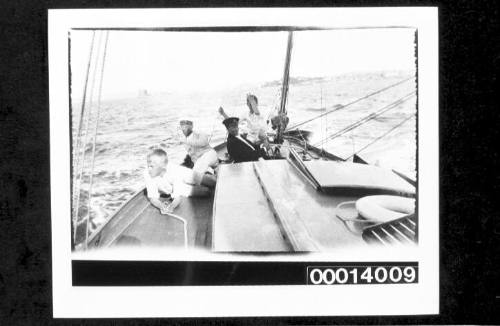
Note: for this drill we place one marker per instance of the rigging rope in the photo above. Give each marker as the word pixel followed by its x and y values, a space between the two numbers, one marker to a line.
pixel 215 119
pixel 95 137
pixel 76 149
pixel 76 153
pixel 368 117
pixel 382 136
pixel 353 102
pixel 184 225
pixel 352 140
pixel 84 145
pixel 324 121
pixel 82 111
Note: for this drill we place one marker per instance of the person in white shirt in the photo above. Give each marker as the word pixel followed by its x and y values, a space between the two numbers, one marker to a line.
pixel 198 148
pixel 174 180
pixel 253 123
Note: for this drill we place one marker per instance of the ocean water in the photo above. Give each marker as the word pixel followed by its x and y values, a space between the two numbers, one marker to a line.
pixel 128 128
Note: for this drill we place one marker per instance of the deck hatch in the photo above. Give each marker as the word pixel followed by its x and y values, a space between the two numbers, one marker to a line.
pixel 399 231
pixel 332 175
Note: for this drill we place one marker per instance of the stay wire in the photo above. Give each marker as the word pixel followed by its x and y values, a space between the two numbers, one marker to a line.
pixel 368 118
pixel 99 96
pixel 351 103
pixel 324 122
pixel 76 153
pixel 82 111
pixel 214 120
pixel 83 146
pixel 382 136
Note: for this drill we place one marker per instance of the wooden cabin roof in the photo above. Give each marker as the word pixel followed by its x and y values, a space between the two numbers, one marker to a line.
pixel 300 218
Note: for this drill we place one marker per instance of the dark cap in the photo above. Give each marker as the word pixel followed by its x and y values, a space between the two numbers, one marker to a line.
pixel 186 122
pixel 230 121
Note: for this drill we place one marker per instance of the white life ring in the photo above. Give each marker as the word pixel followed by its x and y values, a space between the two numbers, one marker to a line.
pixel 384 208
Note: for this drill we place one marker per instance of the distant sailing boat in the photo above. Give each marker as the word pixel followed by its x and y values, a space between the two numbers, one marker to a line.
pixel 143 93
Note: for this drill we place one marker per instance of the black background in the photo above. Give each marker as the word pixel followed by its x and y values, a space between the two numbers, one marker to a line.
pixel 469 113
pixel 202 273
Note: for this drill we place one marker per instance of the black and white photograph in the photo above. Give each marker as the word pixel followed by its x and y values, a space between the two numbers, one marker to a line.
pixel 244 141
pixel 228 137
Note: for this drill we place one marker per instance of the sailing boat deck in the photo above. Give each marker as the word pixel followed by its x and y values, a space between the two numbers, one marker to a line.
pixel 138 223
pixel 265 206
pixel 242 219
pixel 155 229
pixel 269 206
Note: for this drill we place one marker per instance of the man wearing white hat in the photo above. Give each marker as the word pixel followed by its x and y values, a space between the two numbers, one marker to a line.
pixel 198 149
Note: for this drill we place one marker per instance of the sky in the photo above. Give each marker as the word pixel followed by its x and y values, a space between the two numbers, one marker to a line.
pixel 204 61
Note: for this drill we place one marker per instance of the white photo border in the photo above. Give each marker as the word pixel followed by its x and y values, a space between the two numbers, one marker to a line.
pixel 218 301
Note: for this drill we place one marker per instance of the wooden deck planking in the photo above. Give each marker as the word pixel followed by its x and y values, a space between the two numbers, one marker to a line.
pixel 242 218
pixel 290 222
pixel 315 209
pixel 154 229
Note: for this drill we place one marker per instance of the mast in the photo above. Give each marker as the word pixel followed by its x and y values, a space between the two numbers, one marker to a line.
pixel 283 119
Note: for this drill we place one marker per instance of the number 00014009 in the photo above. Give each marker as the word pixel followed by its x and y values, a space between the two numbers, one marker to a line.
pixel 361 274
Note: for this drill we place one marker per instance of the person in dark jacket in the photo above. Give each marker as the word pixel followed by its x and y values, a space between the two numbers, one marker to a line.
pixel 239 148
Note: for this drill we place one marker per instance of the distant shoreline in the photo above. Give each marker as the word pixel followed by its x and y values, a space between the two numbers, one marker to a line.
pixel 273 83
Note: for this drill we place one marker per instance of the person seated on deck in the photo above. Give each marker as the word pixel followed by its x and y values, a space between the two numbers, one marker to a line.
pixel 254 124
pixel 200 156
pixel 174 180
pixel 239 148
